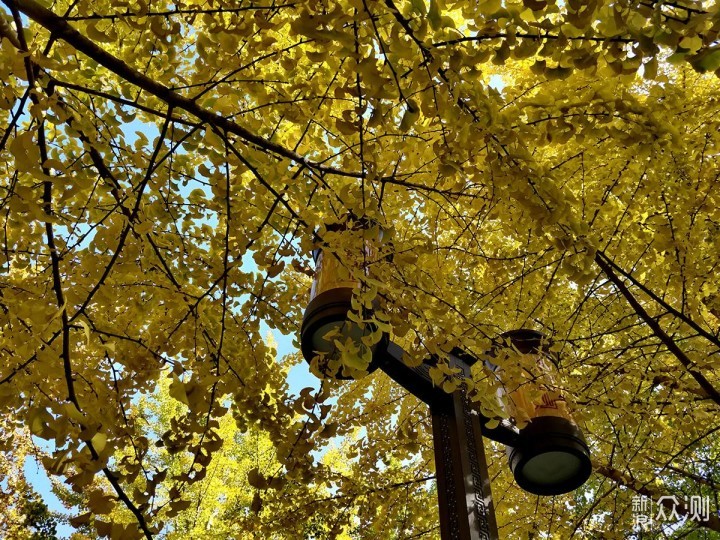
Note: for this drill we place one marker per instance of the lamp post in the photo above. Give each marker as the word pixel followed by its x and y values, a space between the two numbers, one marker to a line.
pixel 548 456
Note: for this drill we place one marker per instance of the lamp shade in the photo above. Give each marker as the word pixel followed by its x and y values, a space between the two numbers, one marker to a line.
pixel 335 339
pixel 551 456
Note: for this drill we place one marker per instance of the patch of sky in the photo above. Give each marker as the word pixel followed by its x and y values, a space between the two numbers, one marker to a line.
pixel 38 479
pixel 497 82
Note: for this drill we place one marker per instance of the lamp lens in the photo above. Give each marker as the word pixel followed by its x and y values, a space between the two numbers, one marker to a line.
pixel 337 330
pixel 551 468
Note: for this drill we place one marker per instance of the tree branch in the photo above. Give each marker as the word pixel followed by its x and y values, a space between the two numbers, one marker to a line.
pixel 686 319
pixel 62 29
pixel 712 523
pixel 712 392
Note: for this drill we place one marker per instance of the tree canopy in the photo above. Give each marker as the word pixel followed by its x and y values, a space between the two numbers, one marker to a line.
pixel 168 167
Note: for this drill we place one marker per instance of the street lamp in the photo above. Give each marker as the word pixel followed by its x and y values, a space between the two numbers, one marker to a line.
pixel 551 456
pixel 548 456
pixel 333 338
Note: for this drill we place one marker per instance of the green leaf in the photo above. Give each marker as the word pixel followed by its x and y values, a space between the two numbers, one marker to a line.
pixel 177 390
pixel 707 60
pixel 412 113
pixel 419 6
pixel 434 15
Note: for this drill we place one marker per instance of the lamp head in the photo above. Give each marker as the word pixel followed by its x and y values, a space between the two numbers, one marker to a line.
pixel 325 326
pixel 551 457
pixel 526 341
pixel 335 343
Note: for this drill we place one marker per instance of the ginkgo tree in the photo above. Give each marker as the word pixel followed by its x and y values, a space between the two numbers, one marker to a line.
pixel 168 168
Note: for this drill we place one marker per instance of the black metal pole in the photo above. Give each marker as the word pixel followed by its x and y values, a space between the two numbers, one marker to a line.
pixel 464 497
pixel 463 483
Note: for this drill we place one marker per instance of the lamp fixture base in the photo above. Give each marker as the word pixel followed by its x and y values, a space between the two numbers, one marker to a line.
pixel 329 308
pixel 551 457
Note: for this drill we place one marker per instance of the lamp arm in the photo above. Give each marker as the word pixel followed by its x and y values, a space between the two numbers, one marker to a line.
pixel 417 381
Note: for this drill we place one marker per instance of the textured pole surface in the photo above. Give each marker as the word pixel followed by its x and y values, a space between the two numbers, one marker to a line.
pixel 466 508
